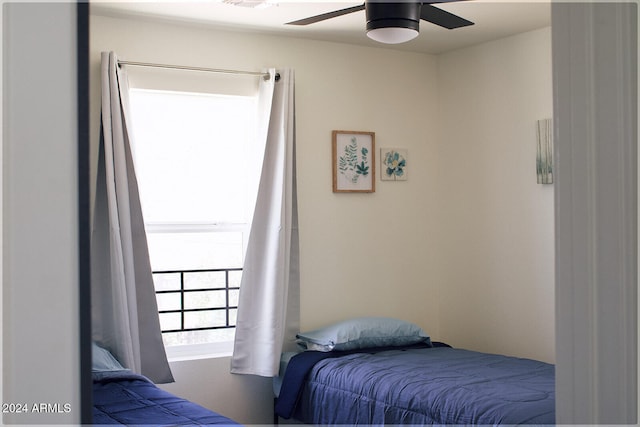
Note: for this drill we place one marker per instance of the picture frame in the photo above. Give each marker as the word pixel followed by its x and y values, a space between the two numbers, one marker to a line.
pixel 393 164
pixel 544 151
pixel 353 157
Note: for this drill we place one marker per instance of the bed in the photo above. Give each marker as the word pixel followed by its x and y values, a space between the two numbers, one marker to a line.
pixel 121 397
pixel 410 381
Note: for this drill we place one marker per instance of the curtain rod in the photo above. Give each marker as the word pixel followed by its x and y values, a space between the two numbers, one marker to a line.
pixel 265 76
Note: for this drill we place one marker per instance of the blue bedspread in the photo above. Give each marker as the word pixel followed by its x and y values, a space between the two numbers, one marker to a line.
pixel 123 398
pixel 428 386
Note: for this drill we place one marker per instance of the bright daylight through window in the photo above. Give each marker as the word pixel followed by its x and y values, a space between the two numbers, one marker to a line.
pixel 192 154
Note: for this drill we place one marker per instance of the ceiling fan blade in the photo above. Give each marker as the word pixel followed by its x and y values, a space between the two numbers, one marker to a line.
pixel 442 17
pixel 328 15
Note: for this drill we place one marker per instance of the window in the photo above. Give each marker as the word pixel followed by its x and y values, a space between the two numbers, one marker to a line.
pixel 196 167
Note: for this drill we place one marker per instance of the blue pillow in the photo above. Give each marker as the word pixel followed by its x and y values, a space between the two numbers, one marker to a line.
pixel 363 332
pixel 103 360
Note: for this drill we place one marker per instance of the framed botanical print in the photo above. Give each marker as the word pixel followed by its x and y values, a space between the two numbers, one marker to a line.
pixel 353 162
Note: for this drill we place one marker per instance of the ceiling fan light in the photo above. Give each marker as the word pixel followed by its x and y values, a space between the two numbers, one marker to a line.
pixel 392 22
pixel 392 35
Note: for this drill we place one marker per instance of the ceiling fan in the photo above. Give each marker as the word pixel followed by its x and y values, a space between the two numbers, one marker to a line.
pixel 395 22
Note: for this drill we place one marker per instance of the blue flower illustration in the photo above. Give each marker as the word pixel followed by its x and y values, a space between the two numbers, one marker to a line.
pixel 395 164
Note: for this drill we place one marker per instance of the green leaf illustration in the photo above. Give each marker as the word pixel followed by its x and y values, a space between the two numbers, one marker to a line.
pixel 351 165
pixel 362 169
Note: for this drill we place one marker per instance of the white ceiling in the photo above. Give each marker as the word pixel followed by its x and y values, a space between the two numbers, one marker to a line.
pixel 493 19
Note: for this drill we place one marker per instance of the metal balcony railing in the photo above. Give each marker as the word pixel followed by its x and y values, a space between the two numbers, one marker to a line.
pixel 184 308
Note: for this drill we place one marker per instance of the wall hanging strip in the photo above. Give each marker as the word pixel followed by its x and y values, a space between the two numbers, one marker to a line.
pixel 202 69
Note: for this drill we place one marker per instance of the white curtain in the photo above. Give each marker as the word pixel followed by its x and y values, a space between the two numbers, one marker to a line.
pixel 124 309
pixel 269 305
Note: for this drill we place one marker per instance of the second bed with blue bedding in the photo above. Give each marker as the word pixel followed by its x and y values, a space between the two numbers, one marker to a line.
pixel 124 398
pixel 417 384
pixel 121 397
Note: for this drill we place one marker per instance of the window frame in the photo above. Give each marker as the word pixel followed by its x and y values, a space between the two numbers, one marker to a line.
pixel 218 348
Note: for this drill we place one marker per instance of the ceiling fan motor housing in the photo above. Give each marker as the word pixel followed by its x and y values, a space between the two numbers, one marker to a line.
pixel 400 14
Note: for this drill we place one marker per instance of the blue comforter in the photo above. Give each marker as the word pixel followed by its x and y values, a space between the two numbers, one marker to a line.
pixel 428 386
pixel 123 398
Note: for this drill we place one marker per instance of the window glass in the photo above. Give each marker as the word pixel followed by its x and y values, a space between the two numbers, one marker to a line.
pixel 190 152
pixel 195 250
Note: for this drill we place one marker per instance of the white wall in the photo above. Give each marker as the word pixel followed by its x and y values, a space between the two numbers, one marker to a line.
pixel 361 254
pixel 496 241
pixel 388 253
pixel 40 334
